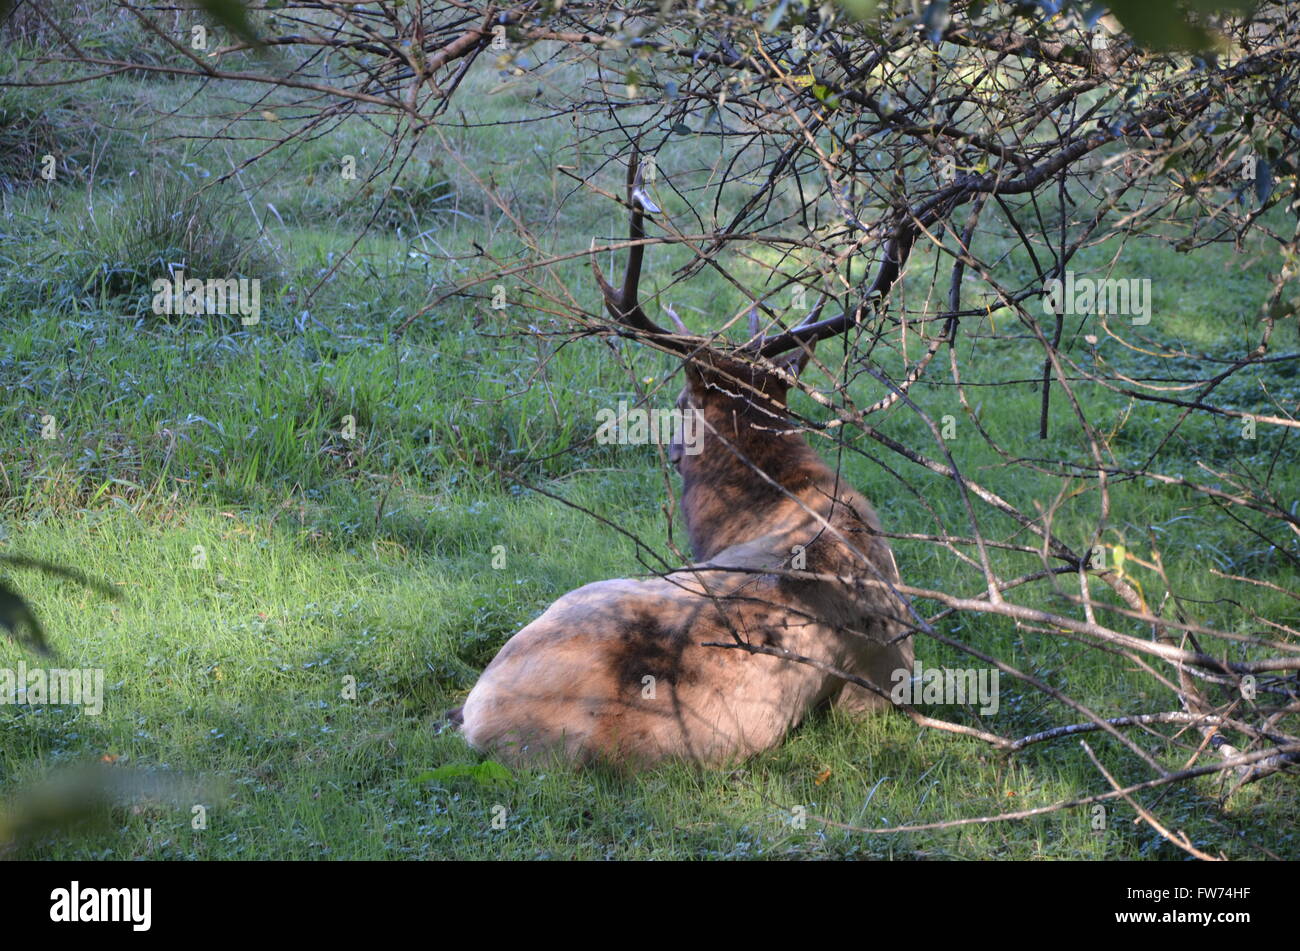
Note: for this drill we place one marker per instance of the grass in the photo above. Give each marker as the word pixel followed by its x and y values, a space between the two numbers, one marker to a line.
pixel 270 564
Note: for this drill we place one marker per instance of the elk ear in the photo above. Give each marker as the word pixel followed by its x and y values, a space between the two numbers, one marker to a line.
pixel 694 374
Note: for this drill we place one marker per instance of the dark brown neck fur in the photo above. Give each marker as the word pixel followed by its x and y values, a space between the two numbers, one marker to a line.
pixel 725 501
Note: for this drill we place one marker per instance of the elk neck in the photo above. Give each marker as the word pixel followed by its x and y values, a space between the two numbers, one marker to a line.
pixel 756 476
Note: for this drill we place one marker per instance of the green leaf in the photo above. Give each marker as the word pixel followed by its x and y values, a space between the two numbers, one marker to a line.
pixel 934 18
pixel 490 771
pixel 233 16
pixel 859 9
pixel 824 95
pixel 1160 25
pixel 775 17
pixel 1263 180
pixel 485 773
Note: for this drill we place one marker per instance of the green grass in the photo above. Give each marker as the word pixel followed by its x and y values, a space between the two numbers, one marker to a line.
pixel 327 558
pixel 234 673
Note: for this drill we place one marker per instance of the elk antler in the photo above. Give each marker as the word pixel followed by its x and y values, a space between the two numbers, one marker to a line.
pixel 895 255
pixel 626 309
pixel 623 305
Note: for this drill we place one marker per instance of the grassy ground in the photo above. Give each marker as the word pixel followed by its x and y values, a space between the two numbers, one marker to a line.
pixel 268 563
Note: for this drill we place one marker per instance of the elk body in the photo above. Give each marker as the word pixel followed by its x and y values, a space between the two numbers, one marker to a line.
pixel 789 562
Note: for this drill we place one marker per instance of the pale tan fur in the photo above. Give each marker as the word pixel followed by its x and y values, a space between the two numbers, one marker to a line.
pixel 572 682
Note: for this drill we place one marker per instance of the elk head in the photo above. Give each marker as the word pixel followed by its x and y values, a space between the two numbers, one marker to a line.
pixel 751 459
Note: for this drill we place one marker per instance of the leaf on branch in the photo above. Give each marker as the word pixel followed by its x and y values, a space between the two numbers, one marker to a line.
pixel 825 96
pixel 934 19
pixel 233 16
pixel 1263 180
pixel 1164 25
pixel 859 9
pixel 775 17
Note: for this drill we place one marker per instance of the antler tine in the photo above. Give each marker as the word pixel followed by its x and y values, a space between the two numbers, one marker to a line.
pixel 755 328
pixel 637 197
pixel 677 321
pixel 638 203
pixel 813 314
pixel 636 231
pixel 758 339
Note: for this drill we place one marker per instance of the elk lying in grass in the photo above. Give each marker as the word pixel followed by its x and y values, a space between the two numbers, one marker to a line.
pixel 622 670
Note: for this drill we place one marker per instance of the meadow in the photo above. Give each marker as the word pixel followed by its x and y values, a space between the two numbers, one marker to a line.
pixel 299 606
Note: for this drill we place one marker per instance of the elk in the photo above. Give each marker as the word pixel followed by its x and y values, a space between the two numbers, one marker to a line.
pixel 696 664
